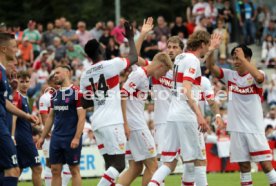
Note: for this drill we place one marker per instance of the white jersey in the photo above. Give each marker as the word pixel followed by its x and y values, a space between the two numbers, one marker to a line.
pixel 186 67
pixel 245 113
pixel 137 88
pixel 162 97
pixel 206 93
pixel 45 103
pixel 101 81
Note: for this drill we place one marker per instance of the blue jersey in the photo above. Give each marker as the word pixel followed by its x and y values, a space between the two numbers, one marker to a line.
pixel 3 92
pixel 8 114
pixel 23 132
pixel 65 104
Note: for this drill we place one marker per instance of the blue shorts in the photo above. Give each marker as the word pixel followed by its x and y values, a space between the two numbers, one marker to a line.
pixel 62 153
pixel 27 155
pixel 8 157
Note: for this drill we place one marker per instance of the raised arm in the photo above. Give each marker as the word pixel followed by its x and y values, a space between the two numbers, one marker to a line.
pixel 129 34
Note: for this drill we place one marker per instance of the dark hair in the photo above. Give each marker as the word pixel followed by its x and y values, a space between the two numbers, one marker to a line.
pixel 92 49
pixel 23 75
pixel 268 127
pixel 247 51
pixel 176 39
pixel 5 37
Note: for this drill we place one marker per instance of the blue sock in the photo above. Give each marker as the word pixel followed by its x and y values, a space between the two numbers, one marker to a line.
pixel 1 178
pixel 10 181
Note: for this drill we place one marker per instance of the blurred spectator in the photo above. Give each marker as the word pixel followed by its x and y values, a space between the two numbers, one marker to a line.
pixel 62 21
pixel 202 25
pixel 43 59
pixel 135 30
pixel 75 52
pixel 189 11
pixel 270 30
pixel 179 27
pixel 270 119
pixel 83 35
pixel 60 50
pixel 224 39
pixel 184 40
pixel 112 49
pixel 224 63
pixel 124 48
pixel 97 31
pixel 219 5
pixel 199 10
pixel 227 13
pixel 69 35
pixel 246 12
pixel 33 36
pixel 162 44
pixel 58 30
pixel 271 94
pixel 110 26
pixel 21 66
pixel 40 28
pixel 161 28
pixel 48 36
pixel 3 27
pixel 105 37
pixel 211 12
pixel 149 47
pixel 268 44
pixel 18 34
pixel 42 74
pixel 270 133
pixel 118 31
pixel 26 51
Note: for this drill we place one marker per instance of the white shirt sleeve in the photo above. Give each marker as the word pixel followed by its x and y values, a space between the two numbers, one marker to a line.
pixel 225 74
pixel 120 64
pixel 44 104
pixel 190 71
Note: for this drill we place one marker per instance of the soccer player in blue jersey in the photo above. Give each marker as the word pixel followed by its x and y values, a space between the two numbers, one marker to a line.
pixel 27 154
pixel 68 117
pixel 8 157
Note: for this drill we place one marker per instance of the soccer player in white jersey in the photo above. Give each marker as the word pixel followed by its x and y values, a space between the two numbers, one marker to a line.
pixel 101 83
pixel 184 117
pixel 206 96
pixel 44 108
pixel 140 146
pixel 245 114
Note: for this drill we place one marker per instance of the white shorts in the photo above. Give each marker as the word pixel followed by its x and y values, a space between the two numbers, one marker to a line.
pixel 46 147
pixel 140 145
pixel 249 147
pixel 111 139
pixel 158 135
pixel 183 136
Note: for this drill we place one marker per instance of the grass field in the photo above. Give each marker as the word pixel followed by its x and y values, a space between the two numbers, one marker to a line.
pixel 214 179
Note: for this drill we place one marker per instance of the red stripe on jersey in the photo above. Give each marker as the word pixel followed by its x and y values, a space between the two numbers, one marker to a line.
pixel 203 97
pixel 188 79
pixel 169 153
pixel 101 146
pixel 43 112
pixel 252 89
pixel 246 183
pixel 188 183
pixel 125 93
pixel 258 153
pixel 198 81
pixel 128 152
pixel 128 62
pixel 146 62
pixel 156 182
pixel 221 74
pixel 200 9
pixel 164 81
pixel 179 77
pixel 111 83
pixel 108 178
pixel 17 101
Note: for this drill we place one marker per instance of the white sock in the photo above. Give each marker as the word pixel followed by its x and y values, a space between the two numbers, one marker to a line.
pixel 246 179
pixel 271 176
pixel 109 177
pixel 47 176
pixel 188 176
pixel 159 176
pixel 66 175
pixel 200 176
pixel 160 163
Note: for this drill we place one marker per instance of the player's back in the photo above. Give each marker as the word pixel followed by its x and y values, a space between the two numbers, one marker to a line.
pixel 102 81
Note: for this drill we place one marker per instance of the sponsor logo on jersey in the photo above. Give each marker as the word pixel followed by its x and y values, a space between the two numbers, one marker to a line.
pixel 61 108
pixel 166 82
pixel 151 150
pixel 122 146
pixel 243 90
pixel 192 70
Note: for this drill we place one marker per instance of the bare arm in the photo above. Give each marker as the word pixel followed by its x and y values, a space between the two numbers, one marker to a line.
pixel 15 111
pixel 44 118
pixel 81 121
pixel 124 106
pixel 48 124
pixel 14 118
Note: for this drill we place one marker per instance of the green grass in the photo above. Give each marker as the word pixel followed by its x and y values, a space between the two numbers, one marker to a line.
pixel 214 179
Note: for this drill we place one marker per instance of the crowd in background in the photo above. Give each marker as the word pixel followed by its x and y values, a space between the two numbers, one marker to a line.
pixel 42 47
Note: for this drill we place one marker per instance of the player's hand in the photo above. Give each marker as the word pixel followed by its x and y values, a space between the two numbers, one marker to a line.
pixel 239 53
pixel 33 119
pixel 129 33
pixel 127 131
pixel 220 123
pixel 13 139
pixel 75 143
pixel 215 41
pixel 147 26
pixel 39 143
pixel 202 124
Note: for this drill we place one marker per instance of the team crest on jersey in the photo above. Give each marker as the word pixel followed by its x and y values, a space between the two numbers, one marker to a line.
pixel 41 104
pixel 132 85
pixel 203 152
pixel 122 146
pixel 250 80
pixel 67 100
pixel 192 70
pixel 151 150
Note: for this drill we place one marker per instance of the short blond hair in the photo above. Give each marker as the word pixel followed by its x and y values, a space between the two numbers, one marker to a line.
pixel 164 58
pixel 197 38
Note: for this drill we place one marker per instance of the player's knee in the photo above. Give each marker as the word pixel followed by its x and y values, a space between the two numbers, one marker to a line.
pixel 152 165
pixel 245 166
pixel 75 171
pixel 56 171
pixel 266 166
pixel 37 170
